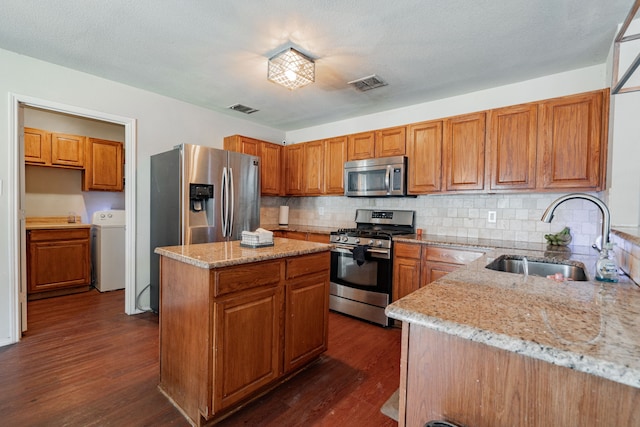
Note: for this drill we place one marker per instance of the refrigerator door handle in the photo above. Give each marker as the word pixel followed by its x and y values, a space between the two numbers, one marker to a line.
pixel 224 204
pixel 232 191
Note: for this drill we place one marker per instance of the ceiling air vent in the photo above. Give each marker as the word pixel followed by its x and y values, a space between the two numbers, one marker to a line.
pixel 242 108
pixel 368 83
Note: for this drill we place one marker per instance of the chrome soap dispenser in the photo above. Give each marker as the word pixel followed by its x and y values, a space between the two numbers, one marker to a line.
pixel 606 267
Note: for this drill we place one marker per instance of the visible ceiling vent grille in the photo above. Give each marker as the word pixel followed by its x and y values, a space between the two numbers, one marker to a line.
pixel 242 108
pixel 368 83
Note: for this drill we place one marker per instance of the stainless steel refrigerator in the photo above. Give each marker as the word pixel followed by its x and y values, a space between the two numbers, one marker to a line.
pixel 199 195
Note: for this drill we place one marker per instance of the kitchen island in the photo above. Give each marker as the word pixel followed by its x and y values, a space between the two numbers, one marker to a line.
pixel 237 321
pixel 487 348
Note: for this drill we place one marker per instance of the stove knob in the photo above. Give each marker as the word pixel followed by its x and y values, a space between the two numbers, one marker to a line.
pixel 357 240
pixel 379 243
pixel 371 242
pixel 345 238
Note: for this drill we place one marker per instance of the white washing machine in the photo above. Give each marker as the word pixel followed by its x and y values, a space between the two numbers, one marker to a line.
pixel 107 249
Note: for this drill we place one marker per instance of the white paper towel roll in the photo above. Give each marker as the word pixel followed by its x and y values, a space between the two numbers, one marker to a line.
pixel 283 219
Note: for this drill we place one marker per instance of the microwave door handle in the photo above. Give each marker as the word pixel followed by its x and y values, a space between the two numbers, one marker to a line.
pixel 387 180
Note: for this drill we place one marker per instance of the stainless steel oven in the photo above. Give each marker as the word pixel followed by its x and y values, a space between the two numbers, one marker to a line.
pixel 361 263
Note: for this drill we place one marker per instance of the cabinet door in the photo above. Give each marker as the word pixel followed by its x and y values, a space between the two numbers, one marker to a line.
pixel 37 147
pixel 406 269
pixel 313 167
pixel 335 154
pixel 464 140
pixel 57 259
pixel 246 345
pixel 432 271
pixel 270 169
pixel 294 177
pixel 391 142
pixel 104 168
pixel 307 314
pixel 297 235
pixel 361 146
pixel 512 142
pixel 424 152
pixel 242 144
pixel 572 141
pixel 67 150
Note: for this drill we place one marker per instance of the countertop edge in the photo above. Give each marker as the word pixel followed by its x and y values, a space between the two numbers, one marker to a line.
pixel 259 256
pixel 582 363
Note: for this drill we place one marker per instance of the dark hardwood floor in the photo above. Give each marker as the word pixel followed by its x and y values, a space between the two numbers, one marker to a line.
pixel 83 362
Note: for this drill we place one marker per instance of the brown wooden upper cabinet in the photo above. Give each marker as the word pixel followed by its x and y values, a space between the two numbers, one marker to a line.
pixel 391 142
pixel 271 171
pixel 380 143
pixel 44 148
pixel 511 147
pixel 464 151
pixel 67 150
pixel 424 150
pixel 294 180
pixel 104 166
pixel 313 168
pixel 271 162
pixel 335 155
pixel 37 147
pixel 361 146
pixel 572 135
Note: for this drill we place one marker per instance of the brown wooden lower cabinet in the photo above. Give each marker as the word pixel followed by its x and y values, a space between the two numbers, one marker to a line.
pixel 416 265
pixel 301 235
pixel 58 261
pixel 229 334
pixel 445 377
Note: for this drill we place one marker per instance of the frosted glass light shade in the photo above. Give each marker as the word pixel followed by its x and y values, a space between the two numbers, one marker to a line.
pixel 291 69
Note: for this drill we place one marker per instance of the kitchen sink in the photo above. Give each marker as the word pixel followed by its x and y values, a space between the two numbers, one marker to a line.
pixel 538 267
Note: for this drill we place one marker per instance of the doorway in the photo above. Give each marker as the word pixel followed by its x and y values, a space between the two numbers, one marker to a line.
pixel 17 199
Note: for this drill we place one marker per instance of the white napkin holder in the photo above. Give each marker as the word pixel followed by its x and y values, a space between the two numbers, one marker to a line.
pixel 257 239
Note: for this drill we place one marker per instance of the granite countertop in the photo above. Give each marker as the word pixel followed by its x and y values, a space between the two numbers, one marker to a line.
pixel 588 326
pixel 225 254
pixel 53 222
pixel 299 228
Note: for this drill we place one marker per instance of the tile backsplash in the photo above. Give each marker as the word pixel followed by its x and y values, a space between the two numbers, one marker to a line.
pixel 517 215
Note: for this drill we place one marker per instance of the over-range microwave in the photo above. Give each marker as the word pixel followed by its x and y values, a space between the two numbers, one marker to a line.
pixel 385 176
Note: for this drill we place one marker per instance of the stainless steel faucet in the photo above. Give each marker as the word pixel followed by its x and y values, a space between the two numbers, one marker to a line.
pixel 606 216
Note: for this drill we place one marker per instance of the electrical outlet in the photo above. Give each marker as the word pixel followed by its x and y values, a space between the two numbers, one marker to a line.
pixel 492 216
pixel 320 211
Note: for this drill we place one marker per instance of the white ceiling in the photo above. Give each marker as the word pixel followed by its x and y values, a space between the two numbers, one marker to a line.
pixel 214 53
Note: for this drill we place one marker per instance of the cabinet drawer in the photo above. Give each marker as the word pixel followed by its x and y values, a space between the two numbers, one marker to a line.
pixel 404 250
pixel 240 278
pixel 452 256
pixel 308 264
pixel 59 234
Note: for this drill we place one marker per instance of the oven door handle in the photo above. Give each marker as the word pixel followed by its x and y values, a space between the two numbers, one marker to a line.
pixel 349 249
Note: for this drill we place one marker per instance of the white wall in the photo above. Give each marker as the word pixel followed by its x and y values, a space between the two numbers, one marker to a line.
pixel 568 83
pixel 162 123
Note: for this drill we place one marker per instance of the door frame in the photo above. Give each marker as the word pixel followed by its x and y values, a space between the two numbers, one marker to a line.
pixel 17 216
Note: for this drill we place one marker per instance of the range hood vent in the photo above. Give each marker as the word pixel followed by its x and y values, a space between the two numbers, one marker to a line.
pixel 368 83
pixel 242 108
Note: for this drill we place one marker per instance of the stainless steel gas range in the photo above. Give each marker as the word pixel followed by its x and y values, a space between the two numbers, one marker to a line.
pixel 362 261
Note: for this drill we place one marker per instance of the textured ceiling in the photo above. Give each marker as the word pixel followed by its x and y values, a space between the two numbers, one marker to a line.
pixel 214 53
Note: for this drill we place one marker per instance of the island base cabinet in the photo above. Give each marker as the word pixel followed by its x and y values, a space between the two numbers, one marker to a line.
pixel 229 334
pixel 444 377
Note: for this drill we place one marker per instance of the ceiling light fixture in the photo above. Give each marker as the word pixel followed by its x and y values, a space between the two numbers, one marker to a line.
pixel 291 69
